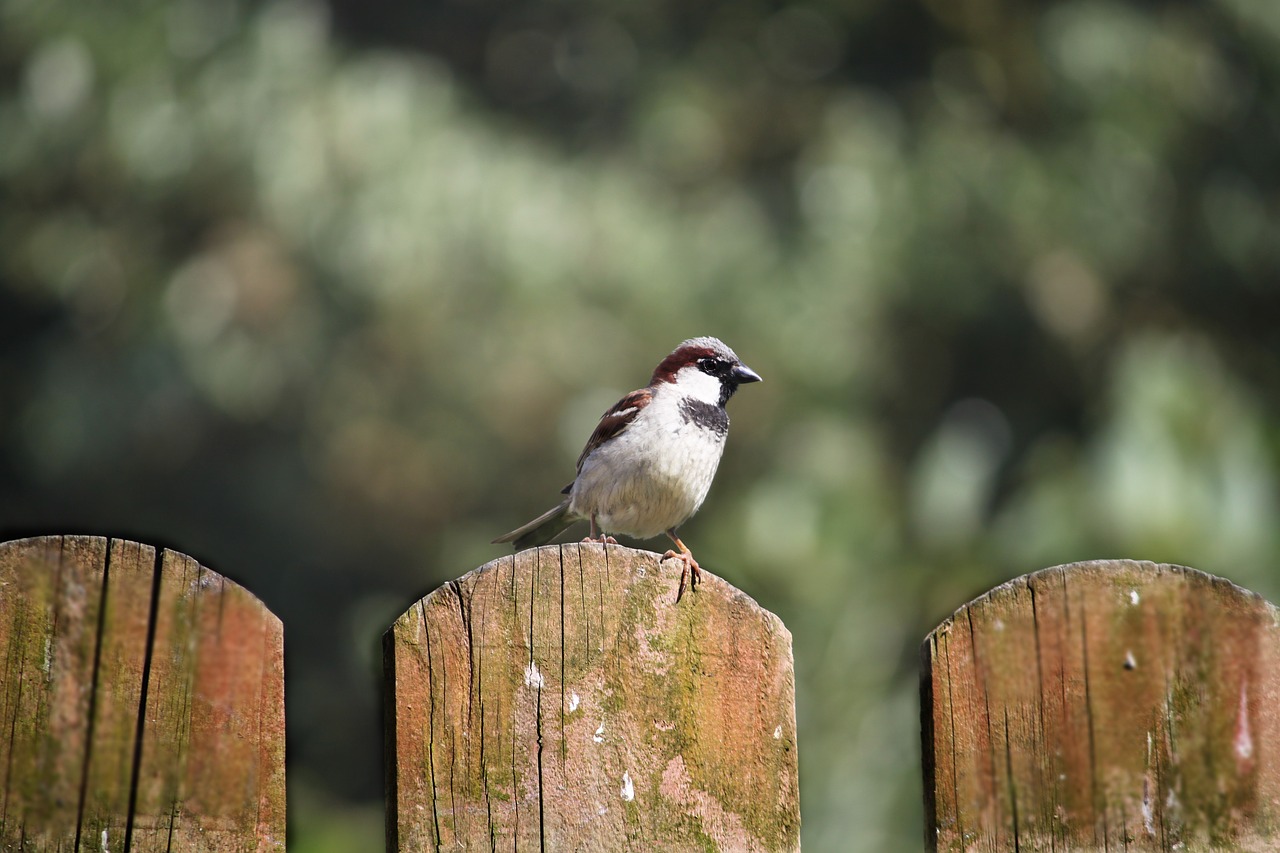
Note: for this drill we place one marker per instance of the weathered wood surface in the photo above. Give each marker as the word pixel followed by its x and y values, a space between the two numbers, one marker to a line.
pixel 141 703
pixel 561 699
pixel 1110 705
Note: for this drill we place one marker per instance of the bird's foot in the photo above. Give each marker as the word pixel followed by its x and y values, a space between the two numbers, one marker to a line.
pixel 603 540
pixel 691 572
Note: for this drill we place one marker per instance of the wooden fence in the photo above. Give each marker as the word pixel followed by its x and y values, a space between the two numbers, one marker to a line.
pixel 141 705
pixel 560 699
pixel 1104 706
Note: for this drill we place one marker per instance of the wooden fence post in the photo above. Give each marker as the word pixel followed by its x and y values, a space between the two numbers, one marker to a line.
pixel 1110 705
pixel 560 699
pixel 141 703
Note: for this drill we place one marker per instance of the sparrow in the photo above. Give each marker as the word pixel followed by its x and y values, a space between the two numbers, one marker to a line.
pixel 649 464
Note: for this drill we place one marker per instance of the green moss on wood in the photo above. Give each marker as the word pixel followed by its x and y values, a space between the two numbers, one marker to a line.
pixel 656 678
pixel 1108 698
pixel 79 659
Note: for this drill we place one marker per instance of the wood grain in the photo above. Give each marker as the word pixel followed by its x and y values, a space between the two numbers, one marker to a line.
pixel 560 699
pixel 141 705
pixel 1108 705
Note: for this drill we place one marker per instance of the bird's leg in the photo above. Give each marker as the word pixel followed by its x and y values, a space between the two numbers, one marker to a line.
pixel 604 539
pixel 691 571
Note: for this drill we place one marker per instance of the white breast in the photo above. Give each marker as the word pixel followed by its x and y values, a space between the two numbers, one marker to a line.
pixel 653 476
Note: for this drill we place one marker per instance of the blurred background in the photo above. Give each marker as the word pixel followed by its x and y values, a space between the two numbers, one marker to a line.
pixel 328 296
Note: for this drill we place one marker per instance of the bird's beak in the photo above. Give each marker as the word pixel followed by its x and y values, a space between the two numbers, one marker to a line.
pixel 745 374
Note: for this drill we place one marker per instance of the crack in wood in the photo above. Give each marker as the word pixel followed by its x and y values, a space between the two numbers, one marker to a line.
pixel 515 788
pixel 140 725
pixel 93 693
pixel 1013 788
pixel 564 746
pixel 484 782
pixel 538 682
pixel 431 721
pixel 586 619
pixel 951 709
pixel 464 613
pixel 1098 801
pixel 12 710
pixel 479 682
pixel 980 677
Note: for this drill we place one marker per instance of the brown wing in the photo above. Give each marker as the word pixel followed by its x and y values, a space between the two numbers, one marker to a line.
pixel 617 419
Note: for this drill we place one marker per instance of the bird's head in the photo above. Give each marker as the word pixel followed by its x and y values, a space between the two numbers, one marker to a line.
pixel 704 368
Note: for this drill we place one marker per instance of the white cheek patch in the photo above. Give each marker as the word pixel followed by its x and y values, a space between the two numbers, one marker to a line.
pixel 695 383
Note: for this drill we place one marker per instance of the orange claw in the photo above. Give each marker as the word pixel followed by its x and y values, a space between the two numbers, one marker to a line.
pixel 691 572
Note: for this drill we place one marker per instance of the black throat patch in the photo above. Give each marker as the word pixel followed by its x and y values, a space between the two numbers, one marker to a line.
pixel 707 416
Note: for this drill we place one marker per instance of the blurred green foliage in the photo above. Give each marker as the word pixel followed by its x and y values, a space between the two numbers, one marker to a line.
pixel 329 297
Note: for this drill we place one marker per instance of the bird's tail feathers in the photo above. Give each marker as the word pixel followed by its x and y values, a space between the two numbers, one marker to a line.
pixel 542 529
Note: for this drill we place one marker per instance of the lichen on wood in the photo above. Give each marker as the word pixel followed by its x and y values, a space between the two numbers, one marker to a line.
pixel 561 699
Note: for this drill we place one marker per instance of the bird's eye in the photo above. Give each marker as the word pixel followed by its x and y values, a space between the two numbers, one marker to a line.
pixel 713 366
